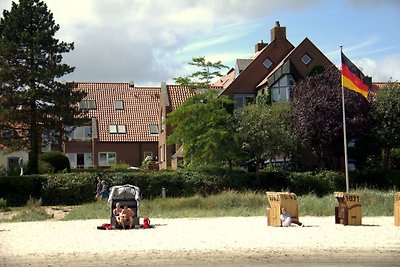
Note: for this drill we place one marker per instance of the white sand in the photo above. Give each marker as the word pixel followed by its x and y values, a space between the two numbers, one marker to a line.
pixel 217 241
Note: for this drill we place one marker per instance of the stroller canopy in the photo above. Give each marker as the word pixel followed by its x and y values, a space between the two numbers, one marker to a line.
pixel 121 192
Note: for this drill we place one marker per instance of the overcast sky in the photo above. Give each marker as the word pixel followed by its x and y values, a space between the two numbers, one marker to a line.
pixel 151 41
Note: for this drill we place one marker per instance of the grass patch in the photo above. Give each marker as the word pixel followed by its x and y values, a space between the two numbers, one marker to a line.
pixel 229 203
pixel 376 203
pixel 32 212
pixel 93 210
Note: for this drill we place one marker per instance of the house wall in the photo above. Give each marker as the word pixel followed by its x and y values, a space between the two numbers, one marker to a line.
pixel 131 153
pixel 318 58
pixel 17 154
pixel 164 157
pixel 247 81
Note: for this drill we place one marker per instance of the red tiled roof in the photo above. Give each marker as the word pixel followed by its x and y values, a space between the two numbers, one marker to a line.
pixel 379 84
pixel 140 109
pixel 177 95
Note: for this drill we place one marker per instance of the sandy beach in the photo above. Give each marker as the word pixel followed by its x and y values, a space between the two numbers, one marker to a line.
pixel 227 241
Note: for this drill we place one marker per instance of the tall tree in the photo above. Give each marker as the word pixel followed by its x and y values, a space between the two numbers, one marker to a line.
pixel 264 132
pixel 386 114
pixel 318 120
pixel 202 78
pixel 204 125
pixel 30 64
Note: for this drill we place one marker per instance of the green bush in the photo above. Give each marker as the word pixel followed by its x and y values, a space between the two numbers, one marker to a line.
pixel 17 190
pixel 79 187
pixel 57 160
pixel 395 158
pixel 45 167
pixel 3 171
pixel 378 178
pixel 69 188
pixel 3 204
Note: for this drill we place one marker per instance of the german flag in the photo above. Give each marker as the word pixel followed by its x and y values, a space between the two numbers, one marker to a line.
pixel 353 78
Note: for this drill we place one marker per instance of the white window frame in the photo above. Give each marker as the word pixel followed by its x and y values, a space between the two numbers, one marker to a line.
pixel 162 120
pixel 153 127
pixel 306 59
pixel 283 84
pixel 107 163
pixel 86 134
pixel 117 129
pixel 243 100
pixel 87 104
pixel 73 158
pixel 268 63
pixel 119 104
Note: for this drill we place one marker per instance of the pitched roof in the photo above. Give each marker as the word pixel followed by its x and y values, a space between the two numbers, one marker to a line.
pixel 227 79
pixel 177 95
pixel 255 72
pixel 243 63
pixel 140 110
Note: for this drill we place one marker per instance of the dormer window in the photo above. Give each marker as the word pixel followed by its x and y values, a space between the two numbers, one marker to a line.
pixel 153 128
pixel 116 129
pixel 87 104
pixel 306 59
pixel 267 63
pixel 119 104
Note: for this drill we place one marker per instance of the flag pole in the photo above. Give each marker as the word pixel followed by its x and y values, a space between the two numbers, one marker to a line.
pixel 344 130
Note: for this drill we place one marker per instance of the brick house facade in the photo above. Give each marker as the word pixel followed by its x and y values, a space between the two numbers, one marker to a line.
pixel 123 127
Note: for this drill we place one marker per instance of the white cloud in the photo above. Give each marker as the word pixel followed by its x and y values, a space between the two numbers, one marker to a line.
pixel 149 41
pixel 381 70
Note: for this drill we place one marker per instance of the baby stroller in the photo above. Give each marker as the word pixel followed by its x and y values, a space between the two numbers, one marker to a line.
pixel 126 195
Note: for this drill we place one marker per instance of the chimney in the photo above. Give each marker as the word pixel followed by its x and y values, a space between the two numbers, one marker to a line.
pixel 260 46
pixel 278 32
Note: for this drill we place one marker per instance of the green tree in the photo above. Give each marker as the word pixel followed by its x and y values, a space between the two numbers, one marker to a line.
pixel 264 132
pixel 204 125
pixel 30 64
pixel 202 78
pixel 318 119
pixel 386 114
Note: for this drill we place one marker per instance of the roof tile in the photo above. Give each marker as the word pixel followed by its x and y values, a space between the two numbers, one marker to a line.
pixel 140 109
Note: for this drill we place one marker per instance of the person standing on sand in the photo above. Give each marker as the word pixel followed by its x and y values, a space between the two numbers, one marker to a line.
pixel 104 190
pixel 99 186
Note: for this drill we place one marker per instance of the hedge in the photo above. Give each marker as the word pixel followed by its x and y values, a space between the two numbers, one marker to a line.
pixel 16 190
pixel 79 187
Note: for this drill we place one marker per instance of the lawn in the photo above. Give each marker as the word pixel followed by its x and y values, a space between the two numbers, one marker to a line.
pixel 228 203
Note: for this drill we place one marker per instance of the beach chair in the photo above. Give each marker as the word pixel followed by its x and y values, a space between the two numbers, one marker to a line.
pixel 126 195
pixel 277 200
pixel 349 209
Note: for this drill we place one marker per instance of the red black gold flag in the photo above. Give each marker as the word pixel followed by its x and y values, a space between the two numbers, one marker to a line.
pixel 353 78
